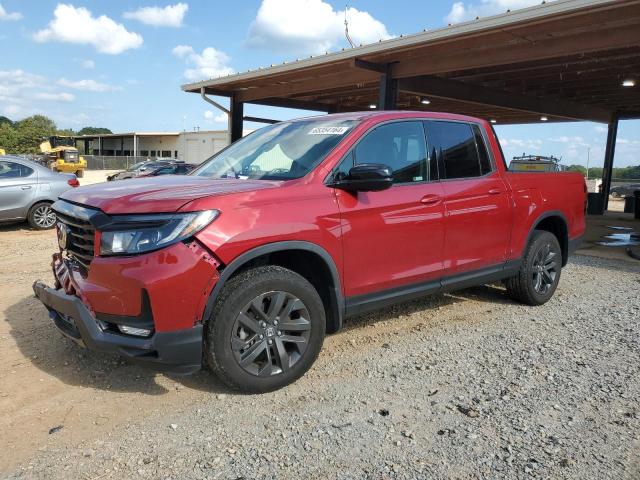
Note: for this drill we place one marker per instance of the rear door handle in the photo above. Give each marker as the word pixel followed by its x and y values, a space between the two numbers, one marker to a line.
pixel 495 191
pixel 430 199
pixel 26 187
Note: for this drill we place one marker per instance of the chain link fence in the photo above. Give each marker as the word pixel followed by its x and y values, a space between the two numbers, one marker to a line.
pixel 102 162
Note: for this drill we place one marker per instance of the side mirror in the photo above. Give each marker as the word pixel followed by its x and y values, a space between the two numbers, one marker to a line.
pixel 366 177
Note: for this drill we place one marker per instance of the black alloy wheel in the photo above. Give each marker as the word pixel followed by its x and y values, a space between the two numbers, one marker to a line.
pixel 539 273
pixel 271 333
pixel 265 330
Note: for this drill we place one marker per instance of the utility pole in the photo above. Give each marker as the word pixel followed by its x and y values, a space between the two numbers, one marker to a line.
pixel 588 155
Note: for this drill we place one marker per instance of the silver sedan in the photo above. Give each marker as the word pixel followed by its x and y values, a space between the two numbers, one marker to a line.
pixel 27 190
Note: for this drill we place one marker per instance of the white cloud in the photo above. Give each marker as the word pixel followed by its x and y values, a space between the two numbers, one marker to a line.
pixel 88 64
pixel 4 15
pixel 78 25
pixel 169 16
pixel 310 27
pixel 21 93
pixel 54 97
pixel 210 63
pixel 213 118
pixel 182 50
pixel 461 11
pixel 87 85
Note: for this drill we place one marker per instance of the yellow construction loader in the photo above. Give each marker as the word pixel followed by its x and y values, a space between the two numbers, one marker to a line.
pixel 2 152
pixel 62 155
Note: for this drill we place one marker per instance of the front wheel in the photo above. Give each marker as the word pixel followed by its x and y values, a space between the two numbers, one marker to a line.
pixel 539 274
pixel 265 331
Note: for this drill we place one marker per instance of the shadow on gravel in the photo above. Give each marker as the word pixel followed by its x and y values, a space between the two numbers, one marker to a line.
pixel 48 350
pixel 16 227
pixel 42 345
pixel 493 294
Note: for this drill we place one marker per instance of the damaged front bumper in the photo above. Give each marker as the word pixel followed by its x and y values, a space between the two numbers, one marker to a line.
pixel 178 351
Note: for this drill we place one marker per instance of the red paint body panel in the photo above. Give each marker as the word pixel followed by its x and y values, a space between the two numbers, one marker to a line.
pixel 178 280
pixel 377 240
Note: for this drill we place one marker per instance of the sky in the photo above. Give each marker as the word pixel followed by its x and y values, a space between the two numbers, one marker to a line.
pixel 120 64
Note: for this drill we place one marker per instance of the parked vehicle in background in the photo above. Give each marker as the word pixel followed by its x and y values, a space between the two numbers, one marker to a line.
pixel 137 169
pixel 62 156
pixel 535 163
pixel 175 168
pixel 248 261
pixel 620 191
pixel 27 190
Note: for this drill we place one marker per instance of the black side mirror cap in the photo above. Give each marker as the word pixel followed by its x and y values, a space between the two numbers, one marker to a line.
pixel 366 177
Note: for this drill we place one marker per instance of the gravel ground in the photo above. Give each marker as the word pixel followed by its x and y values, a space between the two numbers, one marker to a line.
pixel 468 385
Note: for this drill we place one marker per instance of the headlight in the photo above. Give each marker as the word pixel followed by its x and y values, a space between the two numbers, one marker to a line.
pixel 132 234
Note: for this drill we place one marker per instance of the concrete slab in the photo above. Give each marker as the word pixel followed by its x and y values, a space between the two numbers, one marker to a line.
pixel 600 225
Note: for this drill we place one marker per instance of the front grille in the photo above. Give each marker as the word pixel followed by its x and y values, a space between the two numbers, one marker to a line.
pixel 81 242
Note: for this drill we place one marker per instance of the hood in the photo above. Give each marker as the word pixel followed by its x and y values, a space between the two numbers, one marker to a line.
pixel 163 194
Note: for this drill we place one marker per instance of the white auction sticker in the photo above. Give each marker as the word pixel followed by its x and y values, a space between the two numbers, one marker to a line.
pixel 328 130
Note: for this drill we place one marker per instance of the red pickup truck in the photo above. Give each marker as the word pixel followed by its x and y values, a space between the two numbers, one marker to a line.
pixel 246 263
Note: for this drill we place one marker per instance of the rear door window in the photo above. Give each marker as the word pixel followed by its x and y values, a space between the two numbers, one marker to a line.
pixel 454 144
pixel 14 170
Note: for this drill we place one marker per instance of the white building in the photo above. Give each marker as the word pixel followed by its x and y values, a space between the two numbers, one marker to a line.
pixel 190 147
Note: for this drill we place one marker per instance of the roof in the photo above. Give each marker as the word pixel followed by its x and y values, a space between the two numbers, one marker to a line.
pixel 144 134
pixel 565 59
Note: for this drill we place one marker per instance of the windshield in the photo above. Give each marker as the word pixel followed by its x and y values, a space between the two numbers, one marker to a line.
pixel 282 151
pixel 135 166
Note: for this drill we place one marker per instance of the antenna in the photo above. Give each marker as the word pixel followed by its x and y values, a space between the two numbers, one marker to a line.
pixel 346 27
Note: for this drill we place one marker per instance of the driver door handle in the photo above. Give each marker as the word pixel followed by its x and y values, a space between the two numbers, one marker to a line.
pixel 495 191
pixel 26 187
pixel 430 199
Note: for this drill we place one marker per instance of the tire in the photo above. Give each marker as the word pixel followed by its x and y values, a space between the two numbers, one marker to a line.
pixel 539 274
pixel 246 316
pixel 41 216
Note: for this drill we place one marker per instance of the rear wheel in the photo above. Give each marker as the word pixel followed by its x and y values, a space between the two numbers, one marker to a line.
pixel 539 274
pixel 266 329
pixel 41 216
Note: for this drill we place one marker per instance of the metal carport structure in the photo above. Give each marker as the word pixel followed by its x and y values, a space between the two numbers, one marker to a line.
pixel 565 60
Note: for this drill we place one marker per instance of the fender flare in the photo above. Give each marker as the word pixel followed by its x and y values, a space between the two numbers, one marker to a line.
pixel 564 245
pixel 337 298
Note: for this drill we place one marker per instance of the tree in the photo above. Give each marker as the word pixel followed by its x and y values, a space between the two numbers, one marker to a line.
pixel 94 131
pixel 32 131
pixel 577 168
pixel 67 132
pixel 8 137
pixel 5 120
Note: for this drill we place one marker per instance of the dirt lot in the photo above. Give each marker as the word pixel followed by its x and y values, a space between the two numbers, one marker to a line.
pixel 469 385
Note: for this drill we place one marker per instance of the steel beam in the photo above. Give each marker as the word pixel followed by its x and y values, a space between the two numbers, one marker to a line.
pixel 428 85
pixel 236 114
pixel 291 103
pixel 388 92
pixel 260 120
pixel 607 171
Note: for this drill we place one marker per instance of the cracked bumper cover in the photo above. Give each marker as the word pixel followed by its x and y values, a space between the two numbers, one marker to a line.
pixel 179 351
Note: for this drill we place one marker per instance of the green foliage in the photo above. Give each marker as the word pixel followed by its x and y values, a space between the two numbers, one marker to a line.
pixel 94 131
pixel 67 132
pixel 577 168
pixel 30 133
pixel 26 135
pixel 8 137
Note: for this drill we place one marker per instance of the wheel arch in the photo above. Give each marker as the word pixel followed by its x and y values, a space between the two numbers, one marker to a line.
pixel 308 259
pixel 556 223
